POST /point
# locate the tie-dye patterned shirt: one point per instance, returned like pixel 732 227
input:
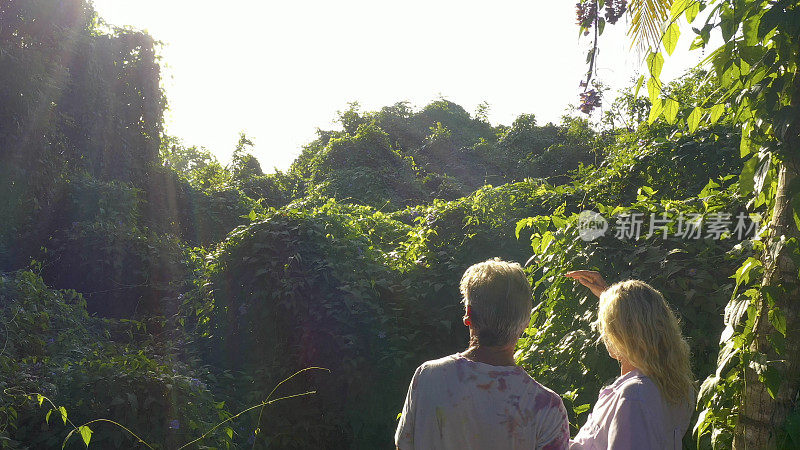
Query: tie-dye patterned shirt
pixel 456 403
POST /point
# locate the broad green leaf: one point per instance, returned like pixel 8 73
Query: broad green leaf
pixel 734 311
pixel 727 333
pixel 778 320
pixel 746 177
pixel 692 11
pixel 744 68
pixel 730 76
pixel 655 62
pixel 655 110
pixel 40 398
pixel 558 222
pixel 725 357
pixel 520 225
pixel 547 239
pixel 760 177
pixel 229 432
pixel 701 424
pixel 744 112
pixel 63 412
pixel 772 380
pixel 745 144
pixel 646 190
pixel 581 409
pixel 671 110
pixel 752 55
pixel 728 24
pixel 47 416
pixel 778 342
pixel 638 85
pixel 707 387
pixel 742 274
pixel 653 89
pixel 678 8
pixel 697 43
pixel 694 119
pixel 750 30
pixel 86 434
pixel 671 38
pixel 716 112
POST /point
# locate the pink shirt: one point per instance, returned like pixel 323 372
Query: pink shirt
pixel 632 414
pixel 457 403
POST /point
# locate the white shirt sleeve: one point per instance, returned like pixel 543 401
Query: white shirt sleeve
pixel 404 436
pixel 554 428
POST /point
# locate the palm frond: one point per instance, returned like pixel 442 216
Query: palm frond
pixel 647 18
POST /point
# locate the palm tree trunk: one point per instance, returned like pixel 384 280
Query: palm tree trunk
pixel 762 415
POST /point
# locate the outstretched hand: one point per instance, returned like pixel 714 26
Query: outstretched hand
pixel 589 278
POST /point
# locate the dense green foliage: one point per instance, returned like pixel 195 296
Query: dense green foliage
pixel 397 157
pixel 147 283
pixel 97 368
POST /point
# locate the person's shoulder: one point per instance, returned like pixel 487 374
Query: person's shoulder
pixel 438 363
pixel 639 387
pixel 543 397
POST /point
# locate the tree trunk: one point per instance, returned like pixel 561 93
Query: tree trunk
pixel 761 415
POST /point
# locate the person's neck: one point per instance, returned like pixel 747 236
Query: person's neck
pixel 495 355
pixel 625 366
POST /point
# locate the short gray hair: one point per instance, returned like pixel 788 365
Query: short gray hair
pixel 499 296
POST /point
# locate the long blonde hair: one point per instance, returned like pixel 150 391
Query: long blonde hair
pixel 635 321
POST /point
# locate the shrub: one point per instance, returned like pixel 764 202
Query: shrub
pixel 95 368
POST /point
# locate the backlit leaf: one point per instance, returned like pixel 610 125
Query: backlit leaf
pixel 694 119
pixel 678 8
pixel 655 63
pixel 746 177
pixel 716 112
pixel 653 89
pixel 671 110
pixel 86 434
pixel 655 110
pixel 639 83
pixel 745 145
pixel 692 11
pixel 671 38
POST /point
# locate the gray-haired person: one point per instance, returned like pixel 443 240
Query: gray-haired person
pixel 479 398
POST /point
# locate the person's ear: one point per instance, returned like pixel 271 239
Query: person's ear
pixel 468 317
pixel 612 352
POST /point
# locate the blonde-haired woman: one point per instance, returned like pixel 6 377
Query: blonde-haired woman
pixel 649 406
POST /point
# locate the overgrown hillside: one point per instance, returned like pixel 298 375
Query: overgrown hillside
pixel 146 283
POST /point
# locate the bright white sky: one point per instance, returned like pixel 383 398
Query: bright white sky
pixel 279 70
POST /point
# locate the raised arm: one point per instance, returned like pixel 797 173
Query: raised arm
pixel 589 278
